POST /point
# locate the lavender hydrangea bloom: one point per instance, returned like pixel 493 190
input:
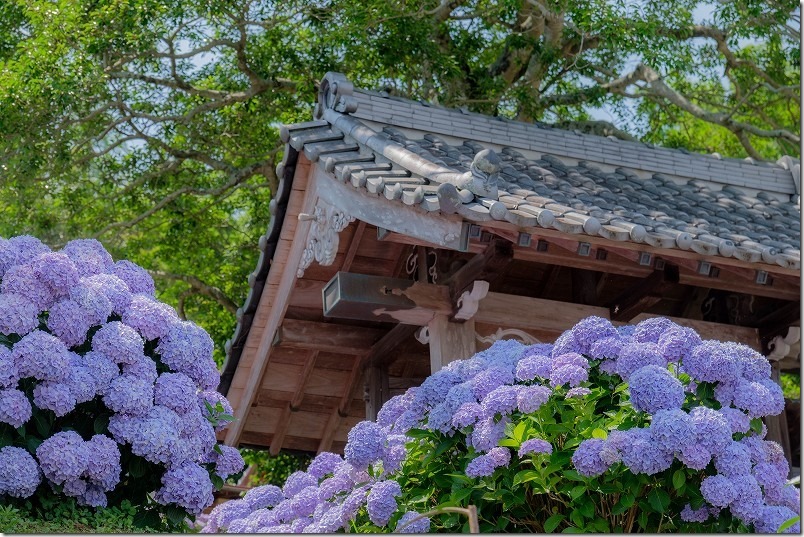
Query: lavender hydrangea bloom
pixel 535 445
pixel 771 517
pixel 102 369
pixel 93 497
pixel 754 366
pixel 592 329
pixel 92 301
pixel 565 343
pixel 63 456
pixel 787 496
pixel 154 320
pixel 183 344
pixel 204 373
pixel 733 461
pixel 467 414
pixel 228 462
pixel 485 382
pixel 717 490
pixel 154 436
pixel 69 322
pixel 531 398
pixel 634 356
pixel 672 429
pixel 175 391
pixel 89 256
pixel 642 456
pixel 15 409
pixel 395 454
pixel 75 487
pixel 759 398
pixel 333 485
pixel 406 523
pixel 56 271
pixel 42 356
pixel 712 429
pixel 394 408
pixel 767 475
pixel 19 250
pixel 481 466
pixel 19 473
pixel 576 393
pixel 55 396
pixel 586 458
pixel 533 366
pixel 651 330
pixel 737 420
pixel 724 392
pixel 711 361
pixel 9 372
pixel 568 374
pixel 263 496
pixel 435 387
pixel 296 482
pixel 364 444
pixel 21 280
pixel 103 464
pixel 488 433
pixel 119 342
pixel 688 514
pixel 502 400
pixel 747 498
pixel 130 395
pixel 136 278
pixel 381 502
pixel 213 398
pixel 18 315
pixel 324 463
pixel 677 343
pixel 608 347
pixel 188 486
pixel 694 456
pixel 654 388
pixel 113 288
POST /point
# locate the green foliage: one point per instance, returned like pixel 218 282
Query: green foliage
pixel 274 470
pixel 791 385
pixel 66 517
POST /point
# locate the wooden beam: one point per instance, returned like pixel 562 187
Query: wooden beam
pixel 488 266
pixel 549 281
pixel 584 286
pixel 376 389
pixel 353 246
pixel 777 322
pixel 326 336
pixel 644 294
pixel 777 425
pixel 281 429
pixel 450 341
pixel 350 391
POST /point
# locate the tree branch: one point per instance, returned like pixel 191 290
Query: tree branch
pixel 200 287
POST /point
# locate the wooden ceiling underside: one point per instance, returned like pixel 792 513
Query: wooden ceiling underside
pixel 312 390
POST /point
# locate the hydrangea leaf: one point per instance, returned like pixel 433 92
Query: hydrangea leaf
pixel 659 500
pixel 679 478
pixel 552 523
pixel 526 475
pixel 787 524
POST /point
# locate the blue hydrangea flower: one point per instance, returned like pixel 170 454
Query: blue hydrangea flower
pixel 737 420
pixel 353 502
pixel 92 302
pixel 69 322
pixel 41 356
pixel 406 523
pixel 565 343
pixel 634 356
pixel 688 514
pixel 694 456
pixel 502 400
pixel 154 320
pixel 323 464
pixel 263 496
pixel 712 429
pixel 333 485
pixel 175 391
pixel 129 395
pixel 381 501
pixel 481 466
pixel 19 473
pixel 590 330
pixel 435 387
pixel 467 414
pixel 102 369
pixel 608 347
pixel 724 392
pixel 759 398
pixel 643 456
pixel 55 396
pixel 103 463
pixel 364 444
pixel 767 475
pixel 393 409
pixel 63 456
pixel 136 278
pixel 19 250
pixel 531 398
pixel 155 436
pixel 651 330
pixel 754 366
pixel 717 490
pixel 532 366
pixel 677 343
pixel 712 361
pixel 305 502
pixel 118 342
pixel 771 517
pixel 672 429
pixel 586 458
pixel 654 388
pixel 9 371
pixel 733 461
pixel 296 482
pixel 228 462
pixel 788 496
pixel 93 497
pixel 113 288
pixel 183 344
pixel 56 271
pixel 488 433
pixel 568 374
pixel 204 373
pixel 21 280
pixel 89 256
pixel 395 454
pixel 186 485
pixel 577 393
pixel 18 315
pixel 15 409
pixel 747 500
pixel 535 445
pixel 485 382
pixel 144 368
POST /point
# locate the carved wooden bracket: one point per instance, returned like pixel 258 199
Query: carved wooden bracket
pixel 521 335
pixel 780 345
pixel 469 301
pixel 322 239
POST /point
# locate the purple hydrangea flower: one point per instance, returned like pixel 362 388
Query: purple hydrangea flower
pixel 651 330
pixel 565 343
pixel 135 277
pixel 502 400
pixel 15 409
pixel 481 466
pixel 568 374
pixel 712 429
pixel 501 456
pixel 535 445
pixel 19 250
pixel 186 485
pixel 467 414
pixel 63 456
pixel 485 382
pixel 154 320
pixel 586 458
pixel 18 315
pixel 353 502
pixel 9 372
pixel 56 271
pixel 395 454
pixel 102 369
pixel 21 280
pixel 19 473
pixel 488 433
pixel 381 501
pixel 204 373
pixel 608 347
pixel 754 366
pixel 324 463
pixel 724 392
pixel 641 455
pixel 228 462
pixel 175 391
pixel 364 444
pixel 406 523
pixel 103 464
pixel 759 398
pixel 677 343
pixel 771 517
pixel 298 481
pixel 89 256
pixel 590 330
pixel 738 421
pixel 113 288
pixel 305 502
pixel 787 496
pixel 435 387
pixel 712 361
pixel 733 461
pixel 41 356
pixel 688 514
pixel 672 429
pixel 747 498
pixel 154 437
pixel 634 356
pixel 92 302
pixel 69 322
pixel 654 388
pixel 55 396
pixel 393 409
pixel 576 393
pixel 717 490
pixel 694 456
pixel 531 398
pixel 264 496
pixel 118 342
pixel 213 398
pixel 333 485
pixel 532 366
pixel 130 395
pixel 183 345
pixel 767 475
pixel 144 369
pixel 81 383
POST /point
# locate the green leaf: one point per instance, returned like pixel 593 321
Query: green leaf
pixel 577 518
pixel 509 442
pixel 101 424
pixel 552 523
pixel 32 443
pixel 519 431
pixel 461 494
pixel 42 424
pixel 756 425
pixel 577 491
pixel 659 500
pixel 526 475
pixel 788 523
pixel 679 478
pixel 627 500
pixel 587 509
pixel 600 433
pixel 175 515
pixel 137 467
pixel 146 519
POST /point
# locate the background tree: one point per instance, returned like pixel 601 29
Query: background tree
pixel 152 124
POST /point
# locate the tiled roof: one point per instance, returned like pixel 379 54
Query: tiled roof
pixel 665 198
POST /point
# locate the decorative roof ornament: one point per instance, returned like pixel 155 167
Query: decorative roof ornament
pixel 335 92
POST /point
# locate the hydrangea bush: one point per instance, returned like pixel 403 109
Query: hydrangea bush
pixel 637 428
pixel 105 394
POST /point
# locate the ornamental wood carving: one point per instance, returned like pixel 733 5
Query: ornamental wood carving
pixel 322 239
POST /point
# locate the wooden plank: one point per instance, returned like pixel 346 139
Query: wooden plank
pixel 584 286
pixel 280 431
pixel 450 341
pixel 377 389
pixel 647 292
pixel 510 311
pixel 326 336
pixel 354 244
pixel 777 425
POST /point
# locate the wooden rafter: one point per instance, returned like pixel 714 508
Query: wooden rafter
pixel 644 294
pixel 293 405
pixel 320 336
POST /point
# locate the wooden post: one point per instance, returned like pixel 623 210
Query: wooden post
pixel 450 341
pixel 376 390
pixel 777 425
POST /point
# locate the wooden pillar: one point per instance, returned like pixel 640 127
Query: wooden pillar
pixel 450 341
pixel 377 390
pixel 777 425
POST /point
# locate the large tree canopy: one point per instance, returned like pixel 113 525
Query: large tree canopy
pixel 152 124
